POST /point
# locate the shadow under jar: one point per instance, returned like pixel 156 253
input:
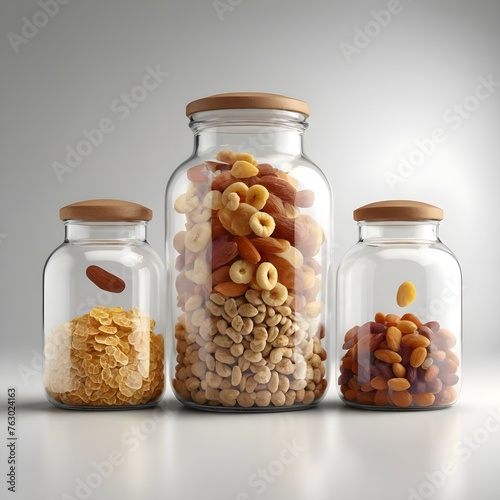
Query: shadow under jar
pixel 248 221
pixel 399 311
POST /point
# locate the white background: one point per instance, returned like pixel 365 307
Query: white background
pixel 368 110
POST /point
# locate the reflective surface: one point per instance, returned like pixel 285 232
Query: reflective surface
pixel 326 452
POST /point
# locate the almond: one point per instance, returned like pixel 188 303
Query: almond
pixel 266 169
pixel 220 275
pixel 270 245
pixel 287 274
pixel 230 289
pixel 281 188
pixel 223 251
pixel 198 174
pixel 274 205
pixel 104 280
pixel 180 262
pixel 223 180
pixel 217 227
pixel 304 198
pixel 218 165
pixel 398 384
pixel 247 250
pixel 313 264
pixel 292 230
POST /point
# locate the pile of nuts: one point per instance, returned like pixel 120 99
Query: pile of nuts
pixel 248 283
pixel 108 357
pixel 399 362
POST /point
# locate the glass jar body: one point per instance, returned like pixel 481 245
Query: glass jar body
pixel 399 354
pixel 100 346
pixel 248 300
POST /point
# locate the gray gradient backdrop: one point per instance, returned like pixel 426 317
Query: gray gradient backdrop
pixel 368 109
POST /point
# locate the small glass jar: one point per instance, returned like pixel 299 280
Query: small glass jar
pixel 399 311
pixel 103 310
pixel 248 225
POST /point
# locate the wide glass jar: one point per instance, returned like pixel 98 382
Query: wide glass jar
pixel 399 311
pixel 103 310
pixel 248 226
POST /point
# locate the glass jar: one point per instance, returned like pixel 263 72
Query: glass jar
pixel 399 311
pixel 103 301
pixel 248 223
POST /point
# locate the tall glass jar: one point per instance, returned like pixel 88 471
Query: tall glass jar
pixel 399 311
pixel 104 310
pixel 248 223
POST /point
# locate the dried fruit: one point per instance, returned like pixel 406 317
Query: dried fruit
pixel 239 188
pixel 241 271
pixel 237 222
pixel 200 273
pixel 276 296
pixel 183 205
pixel 213 200
pixel 233 201
pixel 198 236
pixel 104 280
pixel 257 196
pixel 262 224
pixel 266 276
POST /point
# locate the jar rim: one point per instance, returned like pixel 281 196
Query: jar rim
pixel 105 210
pixel 398 210
pixel 247 100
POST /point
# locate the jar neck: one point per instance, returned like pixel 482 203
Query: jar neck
pixel 84 231
pixel 398 231
pixel 261 132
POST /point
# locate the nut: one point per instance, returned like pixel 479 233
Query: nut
pixel 247 249
pixel 231 289
pixel 406 294
pixel 279 187
pixel 271 245
pixel 242 169
pixel 104 280
pixel 398 384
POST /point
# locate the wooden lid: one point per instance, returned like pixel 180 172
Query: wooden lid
pixel 105 211
pixel 246 100
pixel 398 210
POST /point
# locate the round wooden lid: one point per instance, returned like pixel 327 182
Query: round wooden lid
pixel 105 211
pixel 398 210
pixel 245 100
